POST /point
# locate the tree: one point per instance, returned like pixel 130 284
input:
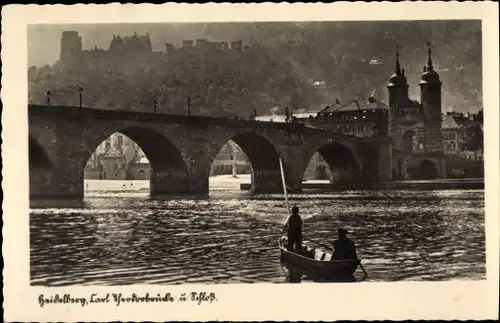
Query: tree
pixel 479 118
pixel 472 138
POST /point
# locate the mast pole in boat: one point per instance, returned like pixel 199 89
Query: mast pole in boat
pixel 284 187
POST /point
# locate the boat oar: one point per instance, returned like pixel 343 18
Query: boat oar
pixel 319 244
pixel 364 271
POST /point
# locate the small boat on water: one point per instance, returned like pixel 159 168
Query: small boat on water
pixel 317 265
pixel 312 265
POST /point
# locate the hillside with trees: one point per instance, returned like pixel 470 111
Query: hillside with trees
pixel 302 65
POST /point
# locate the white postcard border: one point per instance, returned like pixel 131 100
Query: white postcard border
pixel 370 301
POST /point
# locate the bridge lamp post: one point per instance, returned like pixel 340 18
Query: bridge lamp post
pixel 80 95
pixel 154 105
pixel 48 97
pixel 189 106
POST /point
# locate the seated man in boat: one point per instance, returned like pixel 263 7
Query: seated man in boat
pixel 344 248
pixel 293 226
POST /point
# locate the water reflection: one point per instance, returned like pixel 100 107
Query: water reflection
pixel 293 276
pixel 65 236
pixel 128 239
pixel 56 203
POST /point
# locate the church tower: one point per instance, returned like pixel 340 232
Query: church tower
pixel 398 89
pixel 430 98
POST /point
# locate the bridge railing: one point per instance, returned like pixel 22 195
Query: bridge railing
pixel 71 112
pixel 78 113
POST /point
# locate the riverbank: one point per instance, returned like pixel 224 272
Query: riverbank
pixel 244 182
pixel 217 183
pixel 439 184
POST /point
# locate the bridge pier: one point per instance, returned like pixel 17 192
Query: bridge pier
pixel 266 182
pixel 171 181
pixel 62 182
pixel 384 172
pixel 192 180
pixel 377 166
pixel 295 164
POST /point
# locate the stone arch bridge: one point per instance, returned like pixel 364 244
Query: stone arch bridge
pixel 181 148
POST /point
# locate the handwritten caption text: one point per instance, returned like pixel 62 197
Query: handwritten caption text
pixel 119 299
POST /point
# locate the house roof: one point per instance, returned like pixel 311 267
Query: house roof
pixel 352 106
pixel 277 118
pixel 464 122
pixel 113 151
pixel 281 118
pixel 125 149
pixel 448 122
pixel 326 109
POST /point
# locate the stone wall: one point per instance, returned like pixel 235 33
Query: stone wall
pixel 139 171
pixel 114 168
pixel 461 168
pixel 415 163
pixel 92 174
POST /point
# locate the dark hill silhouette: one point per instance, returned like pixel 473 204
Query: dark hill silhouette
pixel 353 59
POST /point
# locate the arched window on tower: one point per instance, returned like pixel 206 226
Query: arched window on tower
pixel 409 141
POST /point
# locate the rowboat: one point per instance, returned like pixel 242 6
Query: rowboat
pixel 309 263
pixel 317 265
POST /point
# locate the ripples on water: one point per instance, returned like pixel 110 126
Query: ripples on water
pixel 126 238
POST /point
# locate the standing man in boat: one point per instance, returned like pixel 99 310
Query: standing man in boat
pixel 293 225
pixel 344 248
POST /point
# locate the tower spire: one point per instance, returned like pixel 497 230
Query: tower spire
pixel 429 59
pixel 398 67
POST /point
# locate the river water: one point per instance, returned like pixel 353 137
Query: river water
pixel 123 237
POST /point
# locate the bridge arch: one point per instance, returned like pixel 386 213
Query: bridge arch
pixel 263 158
pixel 40 166
pixel 168 169
pixel 428 169
pixel 38 157
pixel 342 160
